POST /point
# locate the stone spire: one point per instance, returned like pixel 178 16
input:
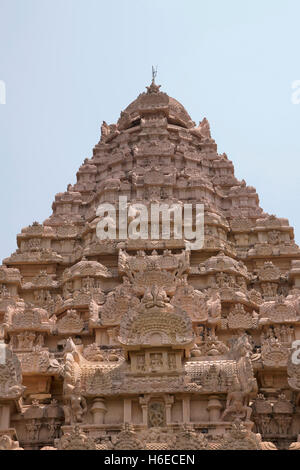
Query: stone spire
pixel 138 343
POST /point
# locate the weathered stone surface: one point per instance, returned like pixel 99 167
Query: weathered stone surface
pixel 142 344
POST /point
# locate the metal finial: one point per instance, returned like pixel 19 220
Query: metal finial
pixel 154 73
pixel 153 88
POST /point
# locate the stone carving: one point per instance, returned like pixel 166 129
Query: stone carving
pixel 218 376
pixel 116 305
pixel 156 414
pixel 295 446
pixel 283 333
pixel 269 272
pixel 26 340
pixel 282 405
pixel 160 438
pixel 39 361
pixel 99 382
pixel 156 321
pixel 76 439
pixel 133 340
pixel 237 403
pixel 192 302
pixel 6 443
pixel 10 374
pixel 261 405
pixel 273 353
pixel 240 319
pixel 92 353
pixel 210 346
pixel 71 323
pixel 293 369
pixel 278 311
pixel 36 319
pixel 54 414
pixel 74 404
pixel 128 440
pixel 214 311
pixel 188 439
pixel 144 272
pixel 239 438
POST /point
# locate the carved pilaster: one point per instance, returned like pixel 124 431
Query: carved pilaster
pixel 99 410
pixel 127 410
pixel 214 408
pixel 186 409
pixel 169 400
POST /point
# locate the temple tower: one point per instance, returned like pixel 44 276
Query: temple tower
pixel 145 343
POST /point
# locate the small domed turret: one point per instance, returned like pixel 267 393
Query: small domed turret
pixel 151 102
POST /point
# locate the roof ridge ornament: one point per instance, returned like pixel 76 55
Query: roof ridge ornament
pixel 154 73
pixel 153 88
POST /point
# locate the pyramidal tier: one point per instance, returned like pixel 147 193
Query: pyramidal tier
pixel 141 343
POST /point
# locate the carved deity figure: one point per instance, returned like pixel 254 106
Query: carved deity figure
pixel 156 414
pixel 141 363
pixel 214 311
pixel 75 408
pixel 156 362
pixel 155 297
pixel 237 403
pixel 33 430
pixel 241 346
pixel 284 424
pixel 3 290
pixel 54 429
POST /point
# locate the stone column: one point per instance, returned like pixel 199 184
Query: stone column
pixel 178 361
pixel 169 400
pixel 4 416
pixel 127 410
pixel 147 360
pixel 165 361
pixel 111 336
pixel 99 410
pixel 144 404
pixel 186 409
pixel 98 337
pixel 214 408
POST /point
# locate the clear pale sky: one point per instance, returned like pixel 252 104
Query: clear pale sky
pixel 70 64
